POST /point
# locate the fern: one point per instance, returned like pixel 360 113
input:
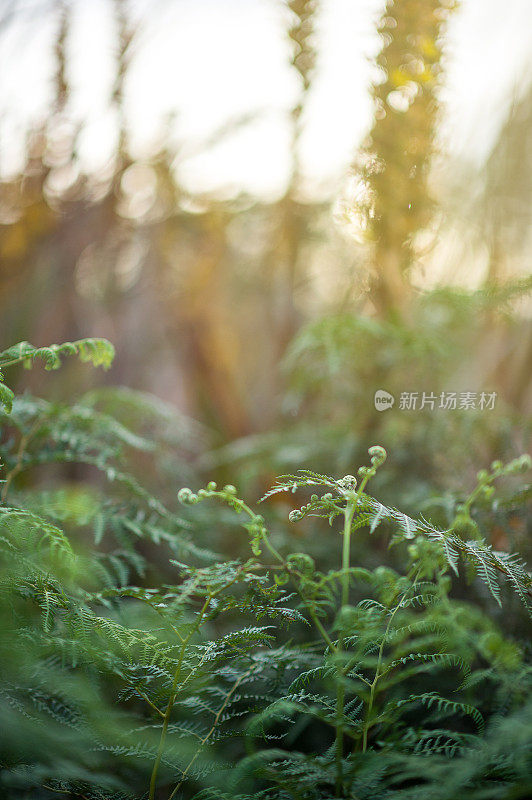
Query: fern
pixel 140 653
pixel 98 352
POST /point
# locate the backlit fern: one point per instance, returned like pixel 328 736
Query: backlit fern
pixel 138 662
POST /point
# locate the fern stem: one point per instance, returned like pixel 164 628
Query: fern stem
pixel 24 441
pixel 340 691
pixel 264 536
pixel 349 512
pixel 239 505
pixel 12 362
pixel 173 692
pixel 367 724
pixel 346 550
pixel 212 729
pixel 149 702
pixel 340 699
pixel 275 553
pixel 166 721
pixel 378 674
pixel 171 700
pixel 317 622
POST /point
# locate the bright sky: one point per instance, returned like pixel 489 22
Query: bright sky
pixel 211 61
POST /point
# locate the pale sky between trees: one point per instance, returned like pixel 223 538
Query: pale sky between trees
pixel 198 64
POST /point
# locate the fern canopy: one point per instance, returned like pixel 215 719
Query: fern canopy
pixel 144 656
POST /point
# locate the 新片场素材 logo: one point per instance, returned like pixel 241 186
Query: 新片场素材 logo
pixel 383 400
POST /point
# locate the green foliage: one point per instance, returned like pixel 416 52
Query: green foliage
pixel 98 352
pixel 138 662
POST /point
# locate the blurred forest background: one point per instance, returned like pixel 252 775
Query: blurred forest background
pixel 272 316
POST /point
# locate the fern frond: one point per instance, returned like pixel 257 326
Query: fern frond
pixel 98 352
pixel 303 478
pixel 29 530
pixel 444 706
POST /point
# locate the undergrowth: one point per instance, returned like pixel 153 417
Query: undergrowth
pixel 141 660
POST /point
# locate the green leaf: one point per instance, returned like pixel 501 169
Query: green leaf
pixel 6 397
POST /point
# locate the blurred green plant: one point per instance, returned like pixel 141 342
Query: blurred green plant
pixel 392 166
